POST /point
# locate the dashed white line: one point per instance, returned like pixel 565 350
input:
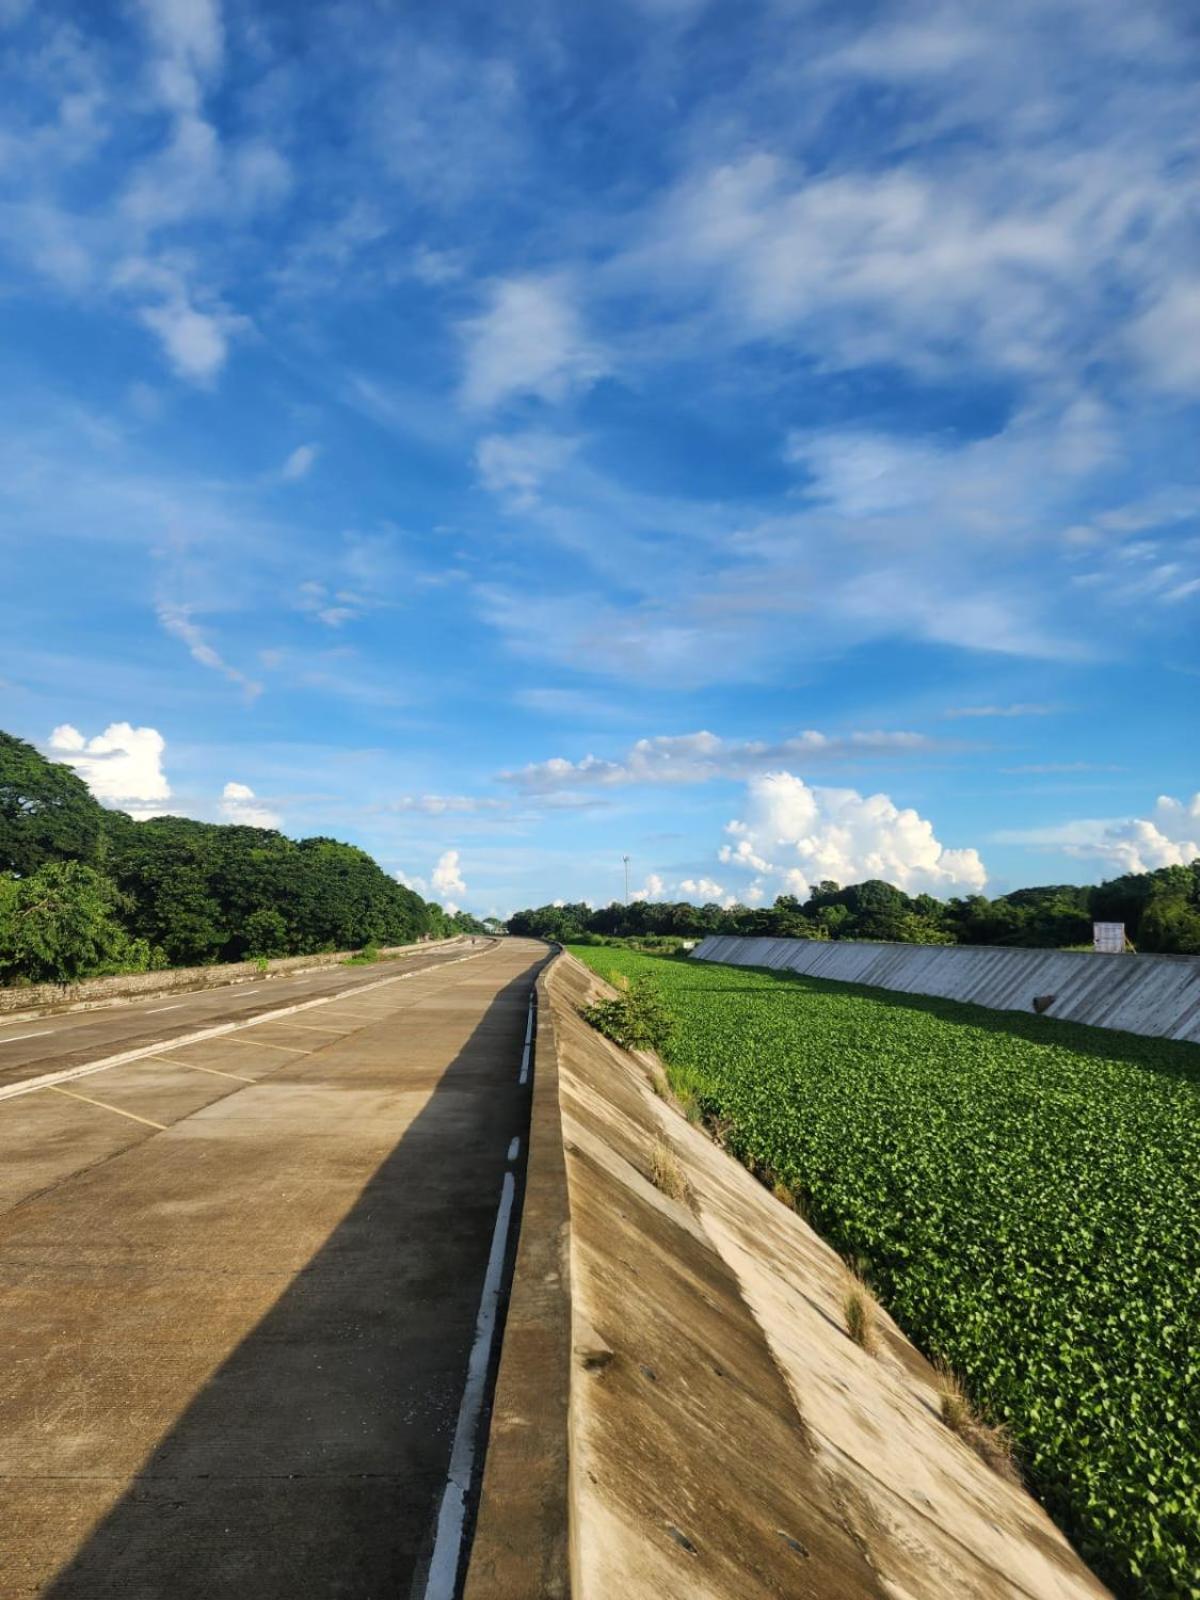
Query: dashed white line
pixel 13 1037
pixel 154 1010
pixel 441 1582
pixel 513 1148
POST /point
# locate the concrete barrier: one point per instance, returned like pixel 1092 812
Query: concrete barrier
pixel 92 992
pixel 1158 996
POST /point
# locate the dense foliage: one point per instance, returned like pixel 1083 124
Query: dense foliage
pixel 1160 910
pixel 84 890
pixel 1027 1196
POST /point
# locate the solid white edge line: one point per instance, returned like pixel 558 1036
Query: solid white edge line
pixel 442 1578
pixel 523 1076
pixel 68 1074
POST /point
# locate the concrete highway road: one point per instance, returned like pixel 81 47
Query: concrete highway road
pixel 240 1278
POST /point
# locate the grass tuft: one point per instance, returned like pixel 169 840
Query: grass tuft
pixel 858 1308
pixel 992 1442
pixel 666 1174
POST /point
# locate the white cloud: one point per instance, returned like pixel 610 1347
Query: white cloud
pixel 702 757
pixel 300 463
pixel 797 835
pixel 1169 837
pixel 1167 338
pixel 240 804
pixel 446 877
pixel 122 766
pixel 176 620
pixel 652 889
pixel 515 466
pixel 189 43
pixel 440 805
pixel 530 341
pixel 196 342
pixel 1020 709
pixel 702 889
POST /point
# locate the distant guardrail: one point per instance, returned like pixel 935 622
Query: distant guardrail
pixel 1158 996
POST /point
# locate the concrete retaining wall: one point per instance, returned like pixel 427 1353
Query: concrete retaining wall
pixel 139 985
pixel 1154 995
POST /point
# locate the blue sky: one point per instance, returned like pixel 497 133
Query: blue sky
pixel 759 439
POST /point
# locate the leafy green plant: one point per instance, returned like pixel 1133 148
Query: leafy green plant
pixel 1027 1193
pixel 636 1018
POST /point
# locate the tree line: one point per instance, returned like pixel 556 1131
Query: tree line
pixel 85 890
pixel 1160 910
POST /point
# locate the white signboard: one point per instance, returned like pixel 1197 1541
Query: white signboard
pixel 1108 937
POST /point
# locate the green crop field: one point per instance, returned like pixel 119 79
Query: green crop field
pixel 1027 1196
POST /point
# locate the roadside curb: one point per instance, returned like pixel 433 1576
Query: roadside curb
pixel 182 980
pixel 521 1545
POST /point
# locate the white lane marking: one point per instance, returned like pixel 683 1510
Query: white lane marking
pixel 154 1010
pixel 47 1080
pixel 13 1037
pixel 523 1076
pixel 513 1148
pixel 442 1580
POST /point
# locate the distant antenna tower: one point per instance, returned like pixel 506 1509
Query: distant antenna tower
pixel 625 859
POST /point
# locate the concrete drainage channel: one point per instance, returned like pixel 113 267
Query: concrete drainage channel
pixel 445 1576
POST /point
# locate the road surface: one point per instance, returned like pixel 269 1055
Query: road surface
pixel 240 1277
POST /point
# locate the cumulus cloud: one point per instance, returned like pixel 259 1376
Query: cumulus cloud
pixel 240 804
pixel 702 757
pixel 447 877
pixel 653 888
pixel 796 835
pixel 529 341
pixel 121 766
pixel 445 881
pixel 1168 837
pixel 701 889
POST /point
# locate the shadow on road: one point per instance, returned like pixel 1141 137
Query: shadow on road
pixel 312 1462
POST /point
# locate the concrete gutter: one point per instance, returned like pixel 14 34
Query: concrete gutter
pixel 520 1547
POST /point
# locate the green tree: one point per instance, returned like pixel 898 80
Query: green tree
pixel 47 812
pixel 61 923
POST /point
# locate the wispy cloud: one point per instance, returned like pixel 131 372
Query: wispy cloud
pixel 177 621
pixel 1018 709
pixel 704 757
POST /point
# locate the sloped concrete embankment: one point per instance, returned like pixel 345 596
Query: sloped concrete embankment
pixel 93 992
pixel 679 1412
pixel 1158 996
